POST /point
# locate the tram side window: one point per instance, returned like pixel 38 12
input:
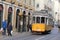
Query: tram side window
pixel 33 19
pixel 37 19
pixel 42 20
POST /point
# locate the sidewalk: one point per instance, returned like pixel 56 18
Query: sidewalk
pixel 14 35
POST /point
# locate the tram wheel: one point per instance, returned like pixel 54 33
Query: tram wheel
pixel 47 32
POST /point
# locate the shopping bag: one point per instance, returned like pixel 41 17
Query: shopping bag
pixel 1 30
pixel 11 32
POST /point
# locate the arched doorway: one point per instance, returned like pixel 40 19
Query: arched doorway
pixel 28 21
pixel 10 10
pixel 1 14
pixel 18 20
pixel 24 22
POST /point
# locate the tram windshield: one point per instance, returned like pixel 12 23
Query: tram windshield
pixel 42 19
pixel 37 19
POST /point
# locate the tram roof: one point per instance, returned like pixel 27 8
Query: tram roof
pixel 42 14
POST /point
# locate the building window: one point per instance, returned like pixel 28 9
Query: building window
pixel 59 1
pixel 34 2
pixel 29 2
pixel 3 0
pixel 18 1
pixel 37 5
pixel 24 1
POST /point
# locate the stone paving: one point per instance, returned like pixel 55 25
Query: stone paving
pixel 54 35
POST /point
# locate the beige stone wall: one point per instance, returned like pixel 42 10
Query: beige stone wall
pixel 8 4
pixel 14 19
pixel 6 12
pixel 8 0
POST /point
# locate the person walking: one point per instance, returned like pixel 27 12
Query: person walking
pixel 4 26
pixel 29 27
pixel 9 29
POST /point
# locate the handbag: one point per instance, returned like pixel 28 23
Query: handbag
pixel 1 30
pixel 11 32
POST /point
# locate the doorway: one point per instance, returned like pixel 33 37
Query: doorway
pixel 10 15
pixel 1 14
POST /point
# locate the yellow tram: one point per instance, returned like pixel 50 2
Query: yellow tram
pixel 42 22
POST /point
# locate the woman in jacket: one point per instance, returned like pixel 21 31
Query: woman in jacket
pixel 9 29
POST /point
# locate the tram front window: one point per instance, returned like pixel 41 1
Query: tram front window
pixel 38 20
pixel 42 20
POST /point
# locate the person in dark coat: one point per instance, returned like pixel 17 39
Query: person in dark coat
pixel 29 27
pixel 9 29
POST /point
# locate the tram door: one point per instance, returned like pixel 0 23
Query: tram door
pixel 1 15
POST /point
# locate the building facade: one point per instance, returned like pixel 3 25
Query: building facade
pixel 39 5
pixel 17 12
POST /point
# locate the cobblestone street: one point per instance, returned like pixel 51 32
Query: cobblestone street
pixel 54 35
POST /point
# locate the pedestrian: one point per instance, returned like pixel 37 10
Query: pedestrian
pixel 29 27
pixel 4 26
pixel 9 29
